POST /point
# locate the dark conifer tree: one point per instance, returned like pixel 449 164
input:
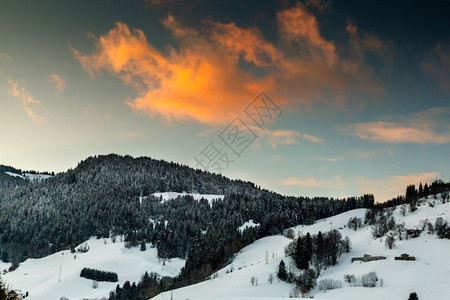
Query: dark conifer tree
pixel 426 190
pixel 282 274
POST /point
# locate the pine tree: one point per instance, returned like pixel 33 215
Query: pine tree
pixel 282 274
pixel 143 246
pixel 426 190
pixel 299 254
pixel 304 252
pixel 308 250
pixel 413 296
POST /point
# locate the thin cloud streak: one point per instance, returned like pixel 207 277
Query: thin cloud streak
pixel 427 127
pixel 336 183
pixel 329 159
pixel 18 90
pixel 279 137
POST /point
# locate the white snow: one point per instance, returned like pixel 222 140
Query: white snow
pixel 40 277
pixel 31 177
pixel 428 276
pixel 166 196
pixel 36 177
pixel 15 175
pixel 248 224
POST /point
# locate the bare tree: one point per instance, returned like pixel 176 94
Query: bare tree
pixel 390 241
pixel 403 210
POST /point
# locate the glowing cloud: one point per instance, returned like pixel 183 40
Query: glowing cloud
pixel 17 90
pixel 203 78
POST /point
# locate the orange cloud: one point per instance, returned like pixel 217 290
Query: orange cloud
pixel 17 90
pixel 391 186
pixel 421 128
pixel 58 81
pixel 203 78
pixel 246 43
pixel 437 65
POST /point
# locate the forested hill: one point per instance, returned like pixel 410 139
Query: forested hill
pixel 101 197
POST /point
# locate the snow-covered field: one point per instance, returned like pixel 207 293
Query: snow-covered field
pixel 40 277
pixel 428 276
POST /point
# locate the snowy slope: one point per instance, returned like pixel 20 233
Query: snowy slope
pixel 40 277
pixel 14 175
pixel 173 195
pixel 36 177
pixel 428 276
pixel 31 177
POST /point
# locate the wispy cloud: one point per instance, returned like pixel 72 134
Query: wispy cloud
pixel 58 81
pixel 279 137
pixel 427 127
pixel 365 154
pixel 320 5
pixel 437 65
pixel 128 134
pixel 335 183
pixel 202 77
pixel 388 187
pixel 329 159
pixel 18 90
pixel 5 56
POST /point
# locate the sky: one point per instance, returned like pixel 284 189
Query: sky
pixel 305 98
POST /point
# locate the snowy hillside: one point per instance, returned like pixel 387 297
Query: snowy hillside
pixel 428 275
pixel 40 277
